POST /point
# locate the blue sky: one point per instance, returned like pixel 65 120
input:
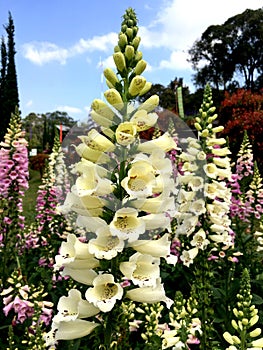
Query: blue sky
pixel 63 45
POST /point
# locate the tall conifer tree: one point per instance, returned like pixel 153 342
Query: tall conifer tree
pixel 9 99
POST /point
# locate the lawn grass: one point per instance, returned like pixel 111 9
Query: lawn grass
pixel 29 201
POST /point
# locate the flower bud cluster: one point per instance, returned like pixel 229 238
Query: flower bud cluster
pixel 25 300
pixel 246 317
pixel 184 326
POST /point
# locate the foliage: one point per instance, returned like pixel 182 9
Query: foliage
pixel 240 111
pixel 231 48
pixel 41 128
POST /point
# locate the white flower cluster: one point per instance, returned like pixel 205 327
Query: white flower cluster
pixel 123 197
pixel 203 202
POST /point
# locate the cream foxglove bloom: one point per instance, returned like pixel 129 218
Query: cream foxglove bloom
pixel 188 225
pixel 126 224
pixel 104 293
pixel 83 274
pixel 198 207
pixel 97 141
pixel 140 180
pixel 86 205
pixel 105 246
pixel 91 154
pixel 188 256
pixel 165 143
pixel 143 270
pixel 159 204
pixel 73 306
pixel 211 170
pixel 75 254
pixel 150 295
pixel 199 240
pixel 90 183
pixel 144 120
pixel 221 151
pixel 126 133
pixel 69 330
pixel 170 338
pixel 159 248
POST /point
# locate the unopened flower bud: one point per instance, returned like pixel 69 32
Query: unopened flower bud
pixel 123 41
pixel 117 48
pixel 110 76
pixel 135 43
pixel 129 33
pixel 140 67
pixel 255 333
pixel 146 88
pixel 102 108
pixel 136 85
pixel 228 337
pixel 212 118
pixel 119 60
pixel 236 340
pixel 205 133
pixel 211 110
pixel 197 126
pixel 218 129
pixel 109 84
pixel 129 52
pixel 253 320
pixel 150 104
pixel 138 56
pixel 135 30
pixel 245 321
pixel 234 324
pixel 114 98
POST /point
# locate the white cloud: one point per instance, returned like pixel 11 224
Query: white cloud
pixel 43 52
pixel 180 22
pixel 177 60
pixel 69 109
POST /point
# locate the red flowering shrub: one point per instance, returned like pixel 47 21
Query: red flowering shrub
pixel 243 110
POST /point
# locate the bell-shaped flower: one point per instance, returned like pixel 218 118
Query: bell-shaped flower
pixel 85 205
pixel 126 133
pixel 159 248
pixel 104 293
pixel 140 180
pixel 165 143
pixel 82 274
pixel 149 295
pixel 199 239
pixel 188 256
pixel 90 183
pixel 144 120
pixel 75 254
pixel 69 330
pixel 91 224
pixel 105 245
pixel 73 306
pixel 159 204
pixel 143 270
pixel 126 224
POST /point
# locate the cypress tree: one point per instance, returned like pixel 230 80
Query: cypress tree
pixel 3 119
pixel 9 89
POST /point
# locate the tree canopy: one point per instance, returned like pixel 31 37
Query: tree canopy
pixel 229 50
